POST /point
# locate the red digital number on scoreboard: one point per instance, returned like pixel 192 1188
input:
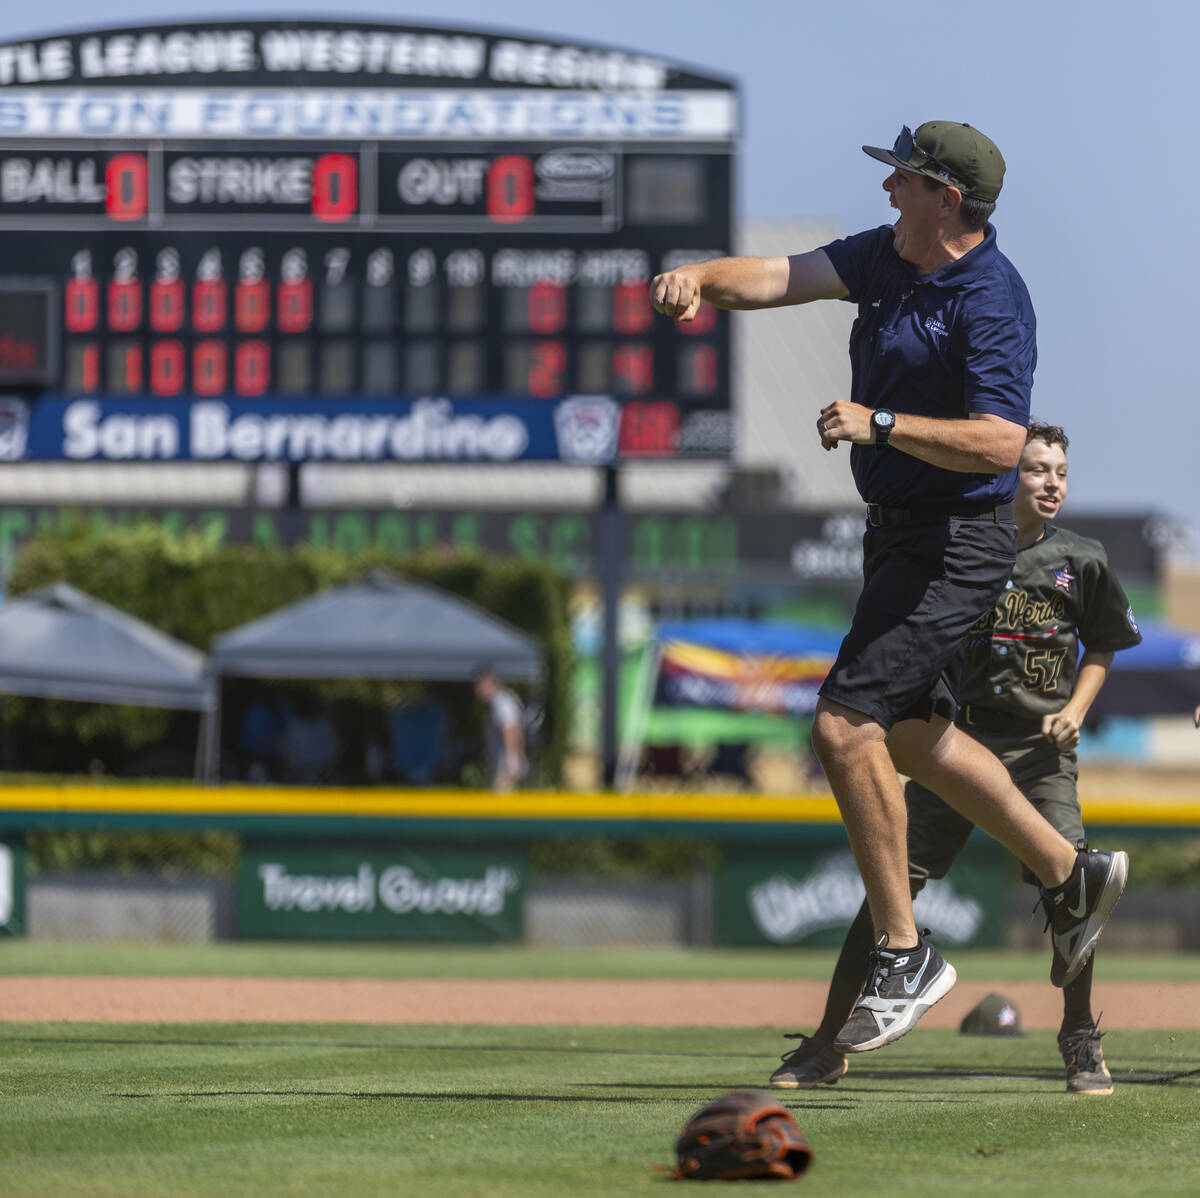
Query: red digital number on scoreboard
pixel 208 305
pixel 126 190
pixel 166 367
pixel 547 307
pixel 124 304
pixel 252 368
pixel 295 304
pixel 547 369
pixel 252 305
pixel 633 366
pixel 209 372
pixel 90 372
pixel 125 369
pixel 334 187
pixel 510 189
pixel 166 305
pixel 632 313
pixel 698 370
pixel 82 304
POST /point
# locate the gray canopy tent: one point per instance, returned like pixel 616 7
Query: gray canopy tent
pixel 377 627
pixel 58 643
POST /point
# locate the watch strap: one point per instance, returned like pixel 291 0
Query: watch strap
pixel 882 430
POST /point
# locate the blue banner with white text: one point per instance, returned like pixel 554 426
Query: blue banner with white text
pixel 580 429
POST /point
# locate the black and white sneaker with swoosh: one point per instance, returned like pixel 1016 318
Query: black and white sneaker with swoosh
pixel 900 988
pixel 1077 911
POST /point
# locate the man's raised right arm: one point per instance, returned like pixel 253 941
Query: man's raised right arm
pixel 746 283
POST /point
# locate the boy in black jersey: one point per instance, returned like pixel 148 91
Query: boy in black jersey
pixel 1024 696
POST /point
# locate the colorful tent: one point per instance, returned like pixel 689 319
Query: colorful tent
pixel 740 665
pixel 730 665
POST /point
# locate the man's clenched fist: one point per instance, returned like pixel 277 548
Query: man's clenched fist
pixel 676 293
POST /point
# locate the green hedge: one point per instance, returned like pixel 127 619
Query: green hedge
pixel 194 588
pixel 168 855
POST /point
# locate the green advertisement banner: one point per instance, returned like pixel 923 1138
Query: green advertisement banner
pixel 812 897
pixel 296 890
pixel 12 887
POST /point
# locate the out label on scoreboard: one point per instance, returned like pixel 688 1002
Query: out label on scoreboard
pixel 573 188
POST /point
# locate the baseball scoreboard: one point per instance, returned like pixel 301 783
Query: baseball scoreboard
pixel 257 241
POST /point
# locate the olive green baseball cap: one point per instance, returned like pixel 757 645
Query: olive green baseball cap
pixel 948 152
pixel 994 1015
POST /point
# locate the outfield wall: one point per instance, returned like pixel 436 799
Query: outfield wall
pixel 469 814
pixel 339 864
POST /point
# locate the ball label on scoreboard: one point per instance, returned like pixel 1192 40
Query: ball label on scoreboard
pixel 76 181
pixel 323 217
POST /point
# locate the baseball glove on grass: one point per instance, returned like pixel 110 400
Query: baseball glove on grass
pixel 745 1134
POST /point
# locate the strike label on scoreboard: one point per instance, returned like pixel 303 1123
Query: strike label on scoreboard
pixel 339 214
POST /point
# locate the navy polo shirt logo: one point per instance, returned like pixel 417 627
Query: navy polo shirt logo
pixel 935 326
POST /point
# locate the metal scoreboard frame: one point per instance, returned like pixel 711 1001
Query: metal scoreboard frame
pixel 300 241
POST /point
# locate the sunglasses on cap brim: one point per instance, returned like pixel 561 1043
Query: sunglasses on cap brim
pixel 906 149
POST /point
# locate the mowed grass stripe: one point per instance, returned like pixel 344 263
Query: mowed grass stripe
pixel 513 1112
pixel 327 960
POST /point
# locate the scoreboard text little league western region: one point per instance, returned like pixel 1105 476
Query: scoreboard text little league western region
pixel 356 242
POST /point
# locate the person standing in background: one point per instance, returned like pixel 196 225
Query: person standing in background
pixel 504 731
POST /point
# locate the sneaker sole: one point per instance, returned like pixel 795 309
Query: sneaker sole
pixel 1097 1090
pixel 830 1079
pixel 934 993
pixel 1110 893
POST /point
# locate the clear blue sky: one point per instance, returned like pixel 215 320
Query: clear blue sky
pixel 1093 104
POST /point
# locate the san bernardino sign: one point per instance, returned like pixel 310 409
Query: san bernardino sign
pixel 292 890
pixel 580 429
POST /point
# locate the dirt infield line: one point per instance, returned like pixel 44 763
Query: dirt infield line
pixel 1165 1005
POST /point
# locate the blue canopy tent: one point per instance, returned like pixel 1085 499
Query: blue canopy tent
pixel 379 626
pixel 59 643
pixel 1161 676
pixel 731 665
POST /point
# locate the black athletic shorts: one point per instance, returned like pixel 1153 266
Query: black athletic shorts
pixel 924 586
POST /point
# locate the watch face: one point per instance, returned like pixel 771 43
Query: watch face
pixel 885 419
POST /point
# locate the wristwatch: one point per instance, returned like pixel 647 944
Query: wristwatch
pixel 883 420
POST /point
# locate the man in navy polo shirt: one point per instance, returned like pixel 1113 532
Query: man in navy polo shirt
pixel 942 356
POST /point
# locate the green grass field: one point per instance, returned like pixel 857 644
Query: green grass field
pixel 181 1110
pixel 250 959
pixel 132 1110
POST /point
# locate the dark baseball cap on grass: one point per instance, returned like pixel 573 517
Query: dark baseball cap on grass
pixel 994 1015
pixel 951 153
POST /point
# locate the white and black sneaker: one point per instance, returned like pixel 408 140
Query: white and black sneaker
pixel 1077 911
pixel 900 988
